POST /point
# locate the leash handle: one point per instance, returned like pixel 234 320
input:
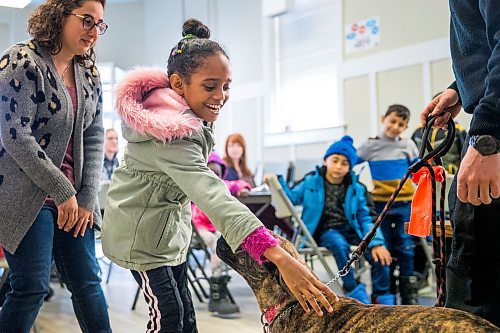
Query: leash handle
pixel 442 148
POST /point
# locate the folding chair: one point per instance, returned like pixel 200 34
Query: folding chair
pixel 303 240
pixel 196 265
pixel 197 244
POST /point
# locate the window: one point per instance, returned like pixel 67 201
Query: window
pixel 110 74
pixel 305 74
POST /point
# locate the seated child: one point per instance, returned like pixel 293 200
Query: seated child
pixel 336 212
pixel 219 301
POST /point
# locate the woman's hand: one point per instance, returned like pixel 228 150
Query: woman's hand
pixel 85 217
pixel 67 214
pixel 302 283
pixel 380 253
pixel 266 177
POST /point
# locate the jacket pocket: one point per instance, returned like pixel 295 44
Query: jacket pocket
pixel 167 237
pixel 163 226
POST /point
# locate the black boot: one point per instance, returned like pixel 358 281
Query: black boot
pixel 219 299
pixel 408 287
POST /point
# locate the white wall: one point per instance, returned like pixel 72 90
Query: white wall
pixel 124 42
pixel 17 22
pixel 142 33
pixel 402 23
pixel 4 36
pixel 411 63
pixel 162 29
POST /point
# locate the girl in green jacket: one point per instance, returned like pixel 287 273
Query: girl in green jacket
pixel 168 123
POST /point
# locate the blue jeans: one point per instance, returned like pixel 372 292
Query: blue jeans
pixel 338 241
pixel 169 300
pixel 399 244
pixel 473 270
pixel 30 269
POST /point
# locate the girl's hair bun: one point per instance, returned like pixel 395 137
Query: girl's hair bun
pixel 196 28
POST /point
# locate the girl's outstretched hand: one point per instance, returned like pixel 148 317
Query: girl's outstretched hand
pixel 306 288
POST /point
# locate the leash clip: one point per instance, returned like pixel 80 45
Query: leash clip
pixel 265 325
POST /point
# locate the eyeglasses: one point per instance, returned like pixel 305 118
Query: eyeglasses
pixel 89 23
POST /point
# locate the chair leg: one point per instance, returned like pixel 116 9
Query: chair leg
pixel 109 272
pixel 195 289
pixel 196 284
pixel 428 255
pixel 136 297
pixel 196 278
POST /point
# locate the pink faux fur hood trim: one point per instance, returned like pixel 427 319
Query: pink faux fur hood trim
pixel 147 105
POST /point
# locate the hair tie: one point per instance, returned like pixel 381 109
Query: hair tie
pixel 176 52
pixel 179 51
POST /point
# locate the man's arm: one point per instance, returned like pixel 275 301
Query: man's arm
pixel 486 118
pixel 479 176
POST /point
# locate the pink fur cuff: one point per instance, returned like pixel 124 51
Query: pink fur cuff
pixel 258 242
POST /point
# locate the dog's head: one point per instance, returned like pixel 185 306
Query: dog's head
pixel 265 280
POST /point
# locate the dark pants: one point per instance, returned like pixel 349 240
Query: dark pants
pixel 399 244
pixel 473 271
pixel 339 241
pixel 169 299
pixel 30 269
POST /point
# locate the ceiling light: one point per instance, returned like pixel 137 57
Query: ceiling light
pixel 14 3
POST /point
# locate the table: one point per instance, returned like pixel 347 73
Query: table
pixel 262 200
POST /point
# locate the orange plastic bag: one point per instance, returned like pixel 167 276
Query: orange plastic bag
pixel 421 205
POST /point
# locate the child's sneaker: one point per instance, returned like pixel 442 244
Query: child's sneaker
pixel 360 294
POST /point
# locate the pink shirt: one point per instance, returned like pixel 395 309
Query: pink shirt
pixel 67 166
pixel 200 220
pixel 256 243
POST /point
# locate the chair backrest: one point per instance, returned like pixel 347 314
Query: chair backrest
pixel 302 239
pixel 285 208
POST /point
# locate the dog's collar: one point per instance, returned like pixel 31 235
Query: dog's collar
pixel 271 313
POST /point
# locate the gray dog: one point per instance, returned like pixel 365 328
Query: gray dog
pixel 286 315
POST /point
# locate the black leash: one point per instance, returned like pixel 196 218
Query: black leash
pixel 439 245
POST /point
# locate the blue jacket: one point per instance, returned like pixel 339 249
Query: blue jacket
pixel 310 193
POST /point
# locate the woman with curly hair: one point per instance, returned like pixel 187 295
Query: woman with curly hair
pixel 51 151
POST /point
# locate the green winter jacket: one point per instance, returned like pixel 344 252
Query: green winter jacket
pixel 147 221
